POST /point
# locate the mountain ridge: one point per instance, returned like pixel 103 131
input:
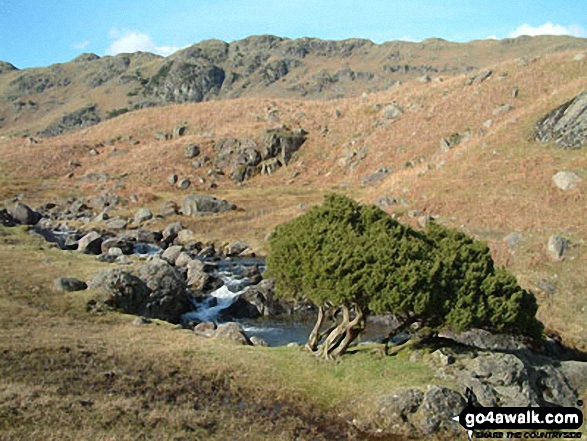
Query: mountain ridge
pixel 35 101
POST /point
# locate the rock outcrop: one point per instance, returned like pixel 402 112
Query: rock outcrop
pixel 566 125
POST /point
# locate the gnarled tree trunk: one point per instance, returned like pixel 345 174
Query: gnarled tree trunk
pixel 336 340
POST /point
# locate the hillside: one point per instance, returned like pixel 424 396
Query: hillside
pixel 468 135
pixel 59 98
pixel 489 177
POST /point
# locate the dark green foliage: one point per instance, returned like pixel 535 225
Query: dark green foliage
pixel 342 253
pixel 116 112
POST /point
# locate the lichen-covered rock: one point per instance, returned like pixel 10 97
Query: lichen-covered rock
pixel 566 125
pixel 196 204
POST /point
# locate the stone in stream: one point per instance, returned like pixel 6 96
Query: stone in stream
pixel 123 243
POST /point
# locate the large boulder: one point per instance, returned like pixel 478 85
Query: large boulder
pixel 197 205
pixel 282 144
pixel 124 290
pixel 566 125
pixel 24 215
pixel 168 299
pixel 257 301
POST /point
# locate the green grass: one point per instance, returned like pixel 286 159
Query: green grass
pixel 71 374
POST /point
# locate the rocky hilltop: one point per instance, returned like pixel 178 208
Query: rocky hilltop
pixel 89 89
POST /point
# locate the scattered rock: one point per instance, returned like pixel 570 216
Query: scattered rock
pixel 191 151
pixel 453 140
pixel 479 77
pixel 183 260
pixel 195 205
pixel 424 220
pixel 513 239
pixel 24 215
pixel 393 111
pixel 373 178
pixel 232 331
pixel 91 243
pixel 503 109
pixel 139 321
pixel 557 246
pixel 124 244
pixel 566 180
pixel 184 184
pixel 256 341
pixel 162 136
pixel 172 179
pixel 142 215
pixel 116 223
pixel 172 253
pixel 6 218
pixel 168 299
pixel 170 208
pixel 179 131
pixel 69 284
pixel 235 248
pixel 206 329
pixel 170 232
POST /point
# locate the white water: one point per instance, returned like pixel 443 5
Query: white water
pixel 222 298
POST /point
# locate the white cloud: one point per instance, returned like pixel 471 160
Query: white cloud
pixel 81 46
pixel 133 41
pixel 549 29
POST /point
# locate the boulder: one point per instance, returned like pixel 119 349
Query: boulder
pixel 124 290
pixel 170 232
pixel 206 329
pixel 116 223
pixel 393 111
pixel 172 179
pixel 281 144
pixel 169 208
pixel 183 259
pixel 235 248
pixel 557 246
pixel 191 151
pixel 168 299
pixel 142 215
pixel 69 284
pixel 172 253
pixel 397 408
pixel 566 125
pixel 196 205
pixel 233 332
pixel 91 243
pixel 198 277
pixel 179 131
pixel 6 218
pixel 566 180
pixel 125 244
pixel 184 184
pixel 24 215
pixel 479 77
pixel 438 407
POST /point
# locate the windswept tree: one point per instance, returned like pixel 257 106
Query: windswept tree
pixel 352 260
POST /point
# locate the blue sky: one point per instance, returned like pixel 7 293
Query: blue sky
pixel 43 32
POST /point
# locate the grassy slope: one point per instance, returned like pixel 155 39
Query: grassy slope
pixel 69 374
pixel 496 183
